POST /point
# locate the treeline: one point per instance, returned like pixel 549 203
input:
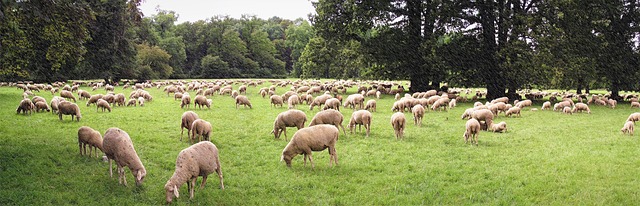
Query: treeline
pixel 503 45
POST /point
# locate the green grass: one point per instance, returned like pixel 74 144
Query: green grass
pixel 545 158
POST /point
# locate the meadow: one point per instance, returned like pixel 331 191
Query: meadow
pixel 545 158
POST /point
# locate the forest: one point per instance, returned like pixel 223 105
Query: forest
pixel 500 45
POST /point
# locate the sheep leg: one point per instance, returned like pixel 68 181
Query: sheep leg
pixel 80 147
pixel 311 160
pixel 192 188
pixel 368 127
pixel 343 130
pixel 305 159
pixel 110 168
pixel 219 171
pixel 204 181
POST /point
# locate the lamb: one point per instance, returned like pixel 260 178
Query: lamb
pixel 186 100
pixel 188 118
pixel 141 101
pixel 313 138
pixel 329 116
pixel 41 106
pixel 546 105
pixel 200 127
pixel 634 117
pixel 243 100
pixel 500 127
pixel 628 127
pixel 117 146
pixel 201 100
pixel 25 106
pixel 131 102
pixel 360 117
pixel 67 95
pixel 418 113
pixel 200 159
pixel 566 110
pixel 91 138
pixel 512 111
pixel 94 99
pixel 472 131
pixel 332 103
pixel 398 123
pixel 69 108
pixel 290 118
pixel 276 100
pixel 483 115
pixel 371 105
pixel 579 107
pixel 103 104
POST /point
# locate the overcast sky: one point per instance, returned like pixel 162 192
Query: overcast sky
pixel 193 10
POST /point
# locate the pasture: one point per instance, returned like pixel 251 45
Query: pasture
pixel 545 158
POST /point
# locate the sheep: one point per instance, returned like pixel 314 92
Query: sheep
pixel 320 100
pixel 177 95
pixel 467 113
pixel 354 100
pixel 371 105
pixel 398 123
pixel 186 100
pixel 501 99
pixel 628 127
pixel 360 117
pixel 612 103
pixel 293 101
pixel 131 102
pixel 579 107
pixel 635 104
pixel 546 105
pixel 103 104
pixel 41 106
pixel 634 117
pixel 500 127
pixel 398 106
pixel 69 108
pixel 36 99
pixel 67 95
pixel 512 111
pixel 290 118
pixel 329 116
pixel 332 103
pixel 201 100
pixel 276 100
pixel 524 103
pixel 483 115
pixel 109 98
pixel 243 100
pixel 561 105
pixel 566 110
pixel 234 94
pixel 200 159
pixel 94 99
pixel 453 103
pixel 25 106
pixel 91 138
pixel 442 102
pixel 188 118
pixel 418 113
pixel 313 138
pixel 117 146
pixel 54 104
pixel 119 99
pixel 472 131
pixel 200 127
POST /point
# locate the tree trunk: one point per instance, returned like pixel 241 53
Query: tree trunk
pixel 417 73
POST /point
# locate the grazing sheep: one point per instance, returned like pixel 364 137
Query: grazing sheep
pixel 329 116
pixel 54 104
pixel 398 123
pixel 467 113
pixel 398 106
pixel 117 146
pixel 524 103
pixel 201 100
pixel 313 138
pixel 290 118
pixel 360 117
pixel 500 127
pixel 276 100
pixel 293 101
pixel 371 105
pixel 472 131
pixel 332 103
pixel 67 95
pixel 354 100
pixel 119 99
pixel 91 138
pixel 453 103
pixel 512 111
pixel 561 105
pixel 234 94
pixel 25 106
pixel 319 100
pixel 483 115
pixel 42 106
pixel 546 105
pixel 186 100
pixel 628 127
pixel 243 100
pixel 131 102
pixel 635 104
pixel 141 101
pixel 177 95
pixel 200 159
pixel 109 98
pixel 94 99
pixel 69 108
pixel 418 113
pixel 37 99
pixel 634 117
pixel 501 99
pixel 188 118
pixel 579 107
pixel 612 103
pixel 566 110
pixel 200 128
pixel 103 104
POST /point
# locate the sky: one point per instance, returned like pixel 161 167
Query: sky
pixel 193 10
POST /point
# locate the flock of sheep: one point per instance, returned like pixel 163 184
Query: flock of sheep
pixel 322 132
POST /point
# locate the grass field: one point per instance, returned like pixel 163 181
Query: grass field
pixel 545 158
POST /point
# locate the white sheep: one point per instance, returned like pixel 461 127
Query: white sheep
pixel 360 117
pixel 103 104
pixel 472 131
pixel 329 116
pixel 500 127
pixel 188 118
pixel 290 118
pixel 332 103
pixel 117 146
pixel 141 101
pixel 94 99
pixel 200 128
pixel 313 138
pixel 579 107
pixel 566 110
pixel 512 111
pixel 69 108
pixel 635 104
pixel 276 100
pixel 398 122
pixel 201 100
pixel 371 105
pixel 418 114
pixel 88 137
pixel 131 102
pixel 186 100
pixel 628 128
pixel 546 105
pixel 293 101
pixel 319 100
pixel 200 159
pixel 243 100
pixel 634 117
pixel 483 115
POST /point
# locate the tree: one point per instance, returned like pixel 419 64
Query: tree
pixel 215 67
pixel 298 36
pixel 152 63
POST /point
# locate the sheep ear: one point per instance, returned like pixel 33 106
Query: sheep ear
pixel 175 191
